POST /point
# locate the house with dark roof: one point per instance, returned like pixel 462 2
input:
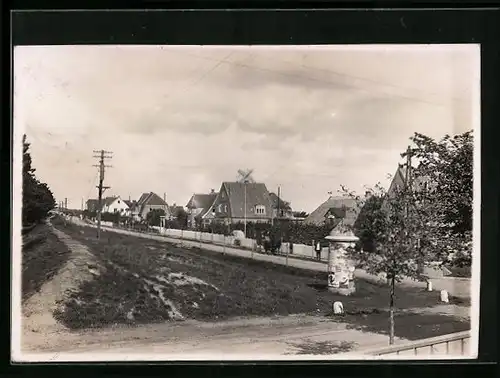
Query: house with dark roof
pixel 333 211
pixel 92 205
pixel 198 206
pixel 237 201
pixel 399 181
pixel 148 202
pixel 281 208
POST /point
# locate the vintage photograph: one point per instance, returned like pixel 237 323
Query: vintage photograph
pixel 245 202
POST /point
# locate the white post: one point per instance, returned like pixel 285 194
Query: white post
pixel 287 251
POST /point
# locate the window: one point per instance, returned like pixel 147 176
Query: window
pixel 260 209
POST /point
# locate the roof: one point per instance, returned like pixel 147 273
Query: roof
pixel 108 201
pixel 201 201
pixel 151 199
pixel 275 199
pixel 129 203
pixel 256 194
pixel 398 181
pixel 336 206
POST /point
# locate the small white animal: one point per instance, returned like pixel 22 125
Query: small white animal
pixel 338 308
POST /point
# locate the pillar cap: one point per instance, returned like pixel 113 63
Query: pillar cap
pixel 341 233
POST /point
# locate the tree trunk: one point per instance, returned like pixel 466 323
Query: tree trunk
pixel 391 312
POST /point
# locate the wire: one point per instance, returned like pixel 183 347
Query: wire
pixel 93 184
pixel 305 77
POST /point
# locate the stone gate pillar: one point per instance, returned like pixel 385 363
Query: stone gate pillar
pixel 340 267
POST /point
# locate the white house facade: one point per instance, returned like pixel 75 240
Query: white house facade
pixel 116 205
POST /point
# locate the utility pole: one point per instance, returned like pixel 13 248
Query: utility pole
pixel 245 208
pixel 101 156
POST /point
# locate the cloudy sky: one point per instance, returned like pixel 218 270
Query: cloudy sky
pixel 181 120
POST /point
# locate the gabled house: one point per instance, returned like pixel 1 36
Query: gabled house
pixel 197 208
pixel 115 205
pixel 333 211
pixel 229 206
pixel 109 205
pixel 281 208
pixel 148 202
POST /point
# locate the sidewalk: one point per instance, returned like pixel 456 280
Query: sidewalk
pixel 458 288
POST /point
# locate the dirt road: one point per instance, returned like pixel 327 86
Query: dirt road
pixel 272 337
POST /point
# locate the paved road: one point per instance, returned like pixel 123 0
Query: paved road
pixel 455 286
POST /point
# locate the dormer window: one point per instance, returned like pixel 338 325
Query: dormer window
pixel 260 209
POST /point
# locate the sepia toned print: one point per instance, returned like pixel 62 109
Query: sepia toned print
pixel 245 203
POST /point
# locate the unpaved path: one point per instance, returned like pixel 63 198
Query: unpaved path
pixel 276 336
pixel 38 324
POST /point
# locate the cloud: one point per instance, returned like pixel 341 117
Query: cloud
pixel 182 120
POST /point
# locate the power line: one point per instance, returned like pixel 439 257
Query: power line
pixel 101 155
pixel 323 81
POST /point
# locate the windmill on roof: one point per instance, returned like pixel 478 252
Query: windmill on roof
pixel 245 176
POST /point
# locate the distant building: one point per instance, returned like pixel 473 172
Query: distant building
pixel 115 205
pixel 197 208
pixel 333 211
pixel 281 208
pixel 109 205
pixel 229 206
pixel 148 202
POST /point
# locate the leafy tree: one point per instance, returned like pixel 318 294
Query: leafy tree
pixel 393 231
pixel 445 197
pixel 415 224
pixel 38 199
pixel 182 218
pixel 153 218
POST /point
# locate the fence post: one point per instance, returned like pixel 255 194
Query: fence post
pixel 287 251
pixel 224 245
pixel 182 235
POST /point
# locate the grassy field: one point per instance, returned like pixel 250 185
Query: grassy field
pixel 43 254
pixel 149 281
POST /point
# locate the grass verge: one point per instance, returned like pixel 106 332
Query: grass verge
pixel 43 254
